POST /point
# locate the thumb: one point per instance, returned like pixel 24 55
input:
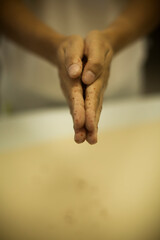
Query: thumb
pixel 73 56
pixel 95 63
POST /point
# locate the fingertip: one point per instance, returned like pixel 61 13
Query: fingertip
pixel 74 70
pixel 78 141
pixel 88 77
pixel 80 136
pixel 91 138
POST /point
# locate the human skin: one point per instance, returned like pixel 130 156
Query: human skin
pixel 138 19
pixel 18 23
pixel 66 52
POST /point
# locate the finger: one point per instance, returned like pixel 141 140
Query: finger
pixel 80 135
pixel 93 106
pixel 78 112
pixel 91 103
pixel 95 62
pixel 92 136
pixel 73 92
pixel 73 55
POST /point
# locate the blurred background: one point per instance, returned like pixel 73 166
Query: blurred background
pixel 28 82
pixel 52 188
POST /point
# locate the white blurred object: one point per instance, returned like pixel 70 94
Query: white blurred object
pixel 26 129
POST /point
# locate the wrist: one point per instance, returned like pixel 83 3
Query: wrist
pixel 119 34
pixel 111 37
pixel 49 46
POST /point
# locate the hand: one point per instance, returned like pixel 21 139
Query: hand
pixel 95 75
pixel 69 54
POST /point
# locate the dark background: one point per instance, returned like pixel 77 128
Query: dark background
pixel 152 65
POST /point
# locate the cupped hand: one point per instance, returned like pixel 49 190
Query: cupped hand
pixel 69 62
pixel 95 75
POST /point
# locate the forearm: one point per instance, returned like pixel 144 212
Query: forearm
pixel 138 19
pixel 18 23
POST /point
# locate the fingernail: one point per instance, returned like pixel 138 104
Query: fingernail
pixel 73 70
pixel 89 77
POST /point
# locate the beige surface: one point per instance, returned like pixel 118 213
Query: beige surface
pixel 60 190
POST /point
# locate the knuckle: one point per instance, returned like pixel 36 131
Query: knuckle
pixel 74 39
pixel 97 65
pixel 69 60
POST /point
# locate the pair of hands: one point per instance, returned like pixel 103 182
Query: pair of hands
pixel 84 70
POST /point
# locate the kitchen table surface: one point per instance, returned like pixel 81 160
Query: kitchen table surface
pixel 52 188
